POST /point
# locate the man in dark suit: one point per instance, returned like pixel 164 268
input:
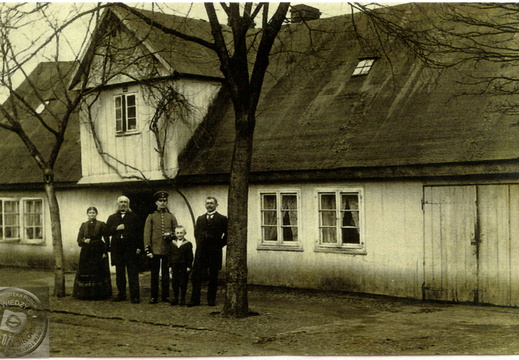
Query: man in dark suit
pixel 211 237
pixel 125 247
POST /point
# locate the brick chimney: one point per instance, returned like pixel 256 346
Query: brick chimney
pixel 302 12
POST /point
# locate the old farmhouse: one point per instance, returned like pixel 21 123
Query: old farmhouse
pixel 371 172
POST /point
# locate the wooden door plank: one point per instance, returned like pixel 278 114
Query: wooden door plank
pixel 449 229
pixel 494 252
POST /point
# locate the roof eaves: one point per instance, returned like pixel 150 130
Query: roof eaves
pixel 505 169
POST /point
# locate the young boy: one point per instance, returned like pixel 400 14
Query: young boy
pixel 180 261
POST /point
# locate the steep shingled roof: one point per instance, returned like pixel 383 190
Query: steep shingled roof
pixel 314 115
pixel 176 56
pixel 16 164
pixel 182 56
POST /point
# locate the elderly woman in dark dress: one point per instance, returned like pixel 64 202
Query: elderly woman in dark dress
pixel 93 276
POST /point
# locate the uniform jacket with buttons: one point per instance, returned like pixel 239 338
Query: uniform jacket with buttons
pixel 157 225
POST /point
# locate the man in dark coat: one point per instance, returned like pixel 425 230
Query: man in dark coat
pixel 125 246
pixel 211 237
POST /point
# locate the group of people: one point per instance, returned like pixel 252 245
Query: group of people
pixel 164 242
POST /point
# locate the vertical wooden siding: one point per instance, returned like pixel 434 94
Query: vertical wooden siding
pixel 472 243
pixel 450 251
pixel 137 150
pixel 499 251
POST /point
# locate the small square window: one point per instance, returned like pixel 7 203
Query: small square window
pixel 363 67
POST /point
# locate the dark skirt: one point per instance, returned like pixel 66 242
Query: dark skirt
pixel 93 276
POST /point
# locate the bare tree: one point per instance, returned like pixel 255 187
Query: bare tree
pixel 244 52
pixel 41 101
pixel 244 82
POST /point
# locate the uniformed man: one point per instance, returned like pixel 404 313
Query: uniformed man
pixel 159 231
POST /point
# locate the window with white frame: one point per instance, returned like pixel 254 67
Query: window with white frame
pixel 21 220
pixel 125 113
pixel 340 221
pixel 280 220
pixel 33 220
pixel 363 67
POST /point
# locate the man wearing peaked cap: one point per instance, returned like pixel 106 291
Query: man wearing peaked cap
pixel 158 232
pixel 160 195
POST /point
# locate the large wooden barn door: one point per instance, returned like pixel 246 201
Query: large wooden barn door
pixel 471 236
pixel 499 244
pixel 450 220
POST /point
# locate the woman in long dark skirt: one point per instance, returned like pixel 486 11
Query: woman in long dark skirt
pixel 93 276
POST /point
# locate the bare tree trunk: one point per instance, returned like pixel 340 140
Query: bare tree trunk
pixel 236 301
pixel 57 243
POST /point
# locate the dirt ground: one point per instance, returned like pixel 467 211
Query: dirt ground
pixel 284 322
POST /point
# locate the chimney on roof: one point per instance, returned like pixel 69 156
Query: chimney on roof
pixel 302 12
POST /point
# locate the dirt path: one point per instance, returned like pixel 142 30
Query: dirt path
pixel 289 322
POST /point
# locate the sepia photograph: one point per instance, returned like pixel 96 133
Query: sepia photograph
pixel 259 179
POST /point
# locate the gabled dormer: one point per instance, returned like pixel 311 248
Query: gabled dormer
pixel 149 93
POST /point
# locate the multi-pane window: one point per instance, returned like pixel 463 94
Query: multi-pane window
pixel 10 229
pixel 21 220
pixel 279 218
pixel 125 113
pixel 340 219
pixel 363 67
pixel 33 219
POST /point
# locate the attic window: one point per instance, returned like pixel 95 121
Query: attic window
pixel 125 113
pixel 363 67
pixel 41 107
